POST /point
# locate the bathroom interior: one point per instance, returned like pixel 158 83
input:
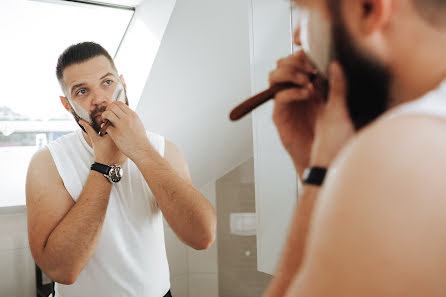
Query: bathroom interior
pixel 186 64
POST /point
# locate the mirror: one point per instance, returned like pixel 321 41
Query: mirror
pixel 199 66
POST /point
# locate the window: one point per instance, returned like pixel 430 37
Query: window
pixel 33 34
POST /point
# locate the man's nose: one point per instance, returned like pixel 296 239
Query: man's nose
pixel 99 97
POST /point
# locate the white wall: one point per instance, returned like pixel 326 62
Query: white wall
pixel 201 72
pixel 141 43
pixel 17 272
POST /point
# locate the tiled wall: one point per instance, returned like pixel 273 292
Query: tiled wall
pixel 224 270
pixel 237 255
pixel 192 273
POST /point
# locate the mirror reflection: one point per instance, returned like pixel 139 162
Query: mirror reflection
pixel 124 175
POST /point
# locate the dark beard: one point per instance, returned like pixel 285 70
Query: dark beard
pixel 368 89
pixel 96 126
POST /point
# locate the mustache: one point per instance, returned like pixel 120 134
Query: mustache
pixel 97 110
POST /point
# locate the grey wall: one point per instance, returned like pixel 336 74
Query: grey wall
pixel 237 255
pixel 192 273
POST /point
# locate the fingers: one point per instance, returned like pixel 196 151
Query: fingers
pixel 111 131
pixel 298 60
pixel 294 94
pixel 287 73
pixel 123 106
pixel 295 68
pixel 111 116
pixel 117 110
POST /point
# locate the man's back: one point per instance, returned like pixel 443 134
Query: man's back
pixel 381 212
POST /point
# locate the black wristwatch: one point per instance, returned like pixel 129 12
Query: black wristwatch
pixel 314 176
pixel 113 172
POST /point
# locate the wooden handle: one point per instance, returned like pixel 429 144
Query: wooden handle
pixel 250 104
pixel 104 128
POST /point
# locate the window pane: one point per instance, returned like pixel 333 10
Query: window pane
pixel 33 34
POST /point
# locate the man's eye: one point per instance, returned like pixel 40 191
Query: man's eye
pixel 108 82
pixel 81 92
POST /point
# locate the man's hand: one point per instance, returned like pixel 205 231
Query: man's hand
pixel 333 125
pixel 295 110
pixel 105 150
pixel 126 129
pixel 312 131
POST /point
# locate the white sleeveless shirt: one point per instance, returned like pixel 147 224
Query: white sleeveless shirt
pixel 130 256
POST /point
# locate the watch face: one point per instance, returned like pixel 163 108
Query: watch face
pixel 115 173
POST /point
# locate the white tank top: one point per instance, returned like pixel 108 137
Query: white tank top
pixel 130 256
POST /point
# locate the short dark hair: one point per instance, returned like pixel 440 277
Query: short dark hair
pixel 78 53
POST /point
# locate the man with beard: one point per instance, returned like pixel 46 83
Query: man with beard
pixel 95 204
pixel 376 225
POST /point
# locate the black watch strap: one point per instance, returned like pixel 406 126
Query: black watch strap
pixel 314 176
pixel 104 169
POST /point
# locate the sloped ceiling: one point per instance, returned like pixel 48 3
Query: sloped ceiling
pixel 201 71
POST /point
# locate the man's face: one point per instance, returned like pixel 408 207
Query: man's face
pixel 368 80
pixel 368 90
pixel 89 88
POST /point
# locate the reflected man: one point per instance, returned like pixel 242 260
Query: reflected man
pixel 95 204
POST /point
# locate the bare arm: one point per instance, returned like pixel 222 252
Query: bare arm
pixel 379 227
pixel 333 129
pixel 188 212
pixel 63 234
pixel 292 255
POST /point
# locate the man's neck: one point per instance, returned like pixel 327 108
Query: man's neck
pixel 420 70
pixel 420 87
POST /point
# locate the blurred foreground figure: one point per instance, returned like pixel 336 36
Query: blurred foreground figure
pixel 375 225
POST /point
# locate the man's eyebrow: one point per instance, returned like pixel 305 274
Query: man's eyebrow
pixel 104 76
pixel 82 84
pixel 76 86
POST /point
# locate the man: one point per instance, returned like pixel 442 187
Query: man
pixel 377 226
pixel 99 235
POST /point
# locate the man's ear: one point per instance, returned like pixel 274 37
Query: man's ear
pixel 375 15
pixel 121 77
pixel 65 103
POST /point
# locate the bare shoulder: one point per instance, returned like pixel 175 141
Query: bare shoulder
pixel 47 200
pixel 410 145
pixel 398 161
pixel 42 171
pixel 379 223
pixel 43 183
pixel 176 159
